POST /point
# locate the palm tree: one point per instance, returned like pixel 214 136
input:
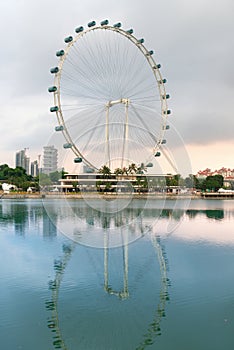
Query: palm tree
pixel 141 169
pixel 118 171
pixel 132 168
pixel 125 170
pixel 105 170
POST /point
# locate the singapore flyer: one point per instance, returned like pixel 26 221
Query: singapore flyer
pixel 109 97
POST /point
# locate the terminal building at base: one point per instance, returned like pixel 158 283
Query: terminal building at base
pixel 97 182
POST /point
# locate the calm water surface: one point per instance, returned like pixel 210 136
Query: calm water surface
pixel 171 287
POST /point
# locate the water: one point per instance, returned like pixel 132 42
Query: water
pixel 171 287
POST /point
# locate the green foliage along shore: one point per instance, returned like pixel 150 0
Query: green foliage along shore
pixel 18 177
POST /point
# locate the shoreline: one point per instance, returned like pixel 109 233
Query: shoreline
pixel 113 196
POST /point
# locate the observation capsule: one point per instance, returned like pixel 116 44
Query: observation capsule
pixel 168 111
pixel 166 127
pixel 165 97
pixel 54 109
pixel 58 128
pixel 117 25
pixel 54 70
pixel 105 22
pixel 68 39
pixel 141 41
pixel 151 52
pixel 129 31
pixel 79 29
pixel 52 89
pixel 158 65
pixel 78 160
pixel 157 154
pixel 67 145
pixel 149 165
pixel 60 53
pixel 163 81
pixel 91 24
pixel 163 142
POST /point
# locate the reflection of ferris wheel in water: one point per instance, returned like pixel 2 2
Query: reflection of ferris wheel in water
pixel 153 329
pixel 109 97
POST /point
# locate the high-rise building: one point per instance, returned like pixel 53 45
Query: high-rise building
pixel 50 159
pixel 22 160
pixel 34 168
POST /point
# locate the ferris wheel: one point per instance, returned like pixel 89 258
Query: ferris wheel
pixel 109 97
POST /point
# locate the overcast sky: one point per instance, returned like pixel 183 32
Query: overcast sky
pixel 192 39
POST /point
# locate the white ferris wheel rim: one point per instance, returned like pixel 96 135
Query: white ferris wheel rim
pixel 160 84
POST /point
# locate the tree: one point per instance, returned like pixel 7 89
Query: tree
pixel 44 180
pixel 13 176
pixel 75 186
pixel 63 173
pixel 171 180
pixel 118 171
pixel 132 168
pixel 214 183
pixel 105 170
pixel 141 169
pixel 125 170
pixel 189 181
pixel 142 184
pixel 55 176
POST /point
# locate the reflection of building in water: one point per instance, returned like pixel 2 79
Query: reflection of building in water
pixel 49 225
pixel 16 214
pixel 24 216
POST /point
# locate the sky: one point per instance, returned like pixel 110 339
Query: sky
pixel 192 39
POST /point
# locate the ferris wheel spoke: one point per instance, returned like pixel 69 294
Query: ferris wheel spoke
pixel 91 133
pixel 86 82
pixel 147 127
pixel 146 109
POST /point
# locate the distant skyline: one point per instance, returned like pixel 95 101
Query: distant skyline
pixel 191 39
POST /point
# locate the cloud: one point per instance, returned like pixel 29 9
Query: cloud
pixel 192 40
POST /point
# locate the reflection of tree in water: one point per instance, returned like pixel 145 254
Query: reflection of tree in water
pixel 217 214
pixel 81 222
pixel 175 214
pixel 178 214
pixel 154 328
pixel 105 220
pixel 192 213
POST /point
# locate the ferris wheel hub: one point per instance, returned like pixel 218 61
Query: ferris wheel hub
pixel 124 101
